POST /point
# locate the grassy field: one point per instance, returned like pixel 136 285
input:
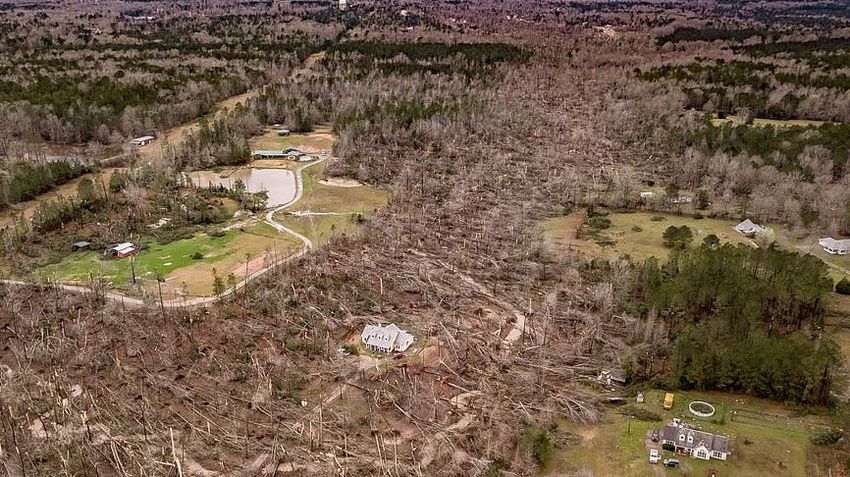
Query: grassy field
pixel 318 228
pixel 635 234
pixel 767 439
pixel 320 197
pixel 321 139
pixel 174 261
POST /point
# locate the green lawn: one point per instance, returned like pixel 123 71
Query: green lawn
pixel 635 234
pixel 162 259
pixel 775 445
pixel 318 197
pixel 318 228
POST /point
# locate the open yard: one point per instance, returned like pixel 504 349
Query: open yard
pixel 319 197
pixel 638 234
pixel 174 261
pixel 766 439
pixel 321 139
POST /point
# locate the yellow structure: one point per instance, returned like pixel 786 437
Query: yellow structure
pixel 668 401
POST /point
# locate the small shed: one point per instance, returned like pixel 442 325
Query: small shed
pixel 142 141
pixel 123 250
pixel 81 245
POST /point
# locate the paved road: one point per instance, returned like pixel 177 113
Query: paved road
pixel 205 300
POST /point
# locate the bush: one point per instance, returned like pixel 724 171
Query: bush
pixel 216 233
pixel 637 228
pixel 599 222
pixel 538 443
pixel 678 237
pixel 843 286
pixel 668 447
pixel 658 218
pixel 826 437
pixel 592 211
pixel 197 256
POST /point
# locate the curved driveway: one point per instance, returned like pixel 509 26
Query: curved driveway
pixel 204 300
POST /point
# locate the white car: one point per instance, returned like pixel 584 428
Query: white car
pixel 653 456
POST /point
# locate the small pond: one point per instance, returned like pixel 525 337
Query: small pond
pixel 279 183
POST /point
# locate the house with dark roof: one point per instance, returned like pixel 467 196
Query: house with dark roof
pixel 684 439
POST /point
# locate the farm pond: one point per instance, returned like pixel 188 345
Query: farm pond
pixel 278 183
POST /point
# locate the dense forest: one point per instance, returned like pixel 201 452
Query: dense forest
pixel 743 319
pixel 24 180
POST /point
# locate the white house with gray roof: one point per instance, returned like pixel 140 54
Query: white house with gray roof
pixel 686 440
pixel 835 247
pixel 749 228
pixel 386 339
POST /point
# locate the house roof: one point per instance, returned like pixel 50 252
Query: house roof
pixel 123 247
pixel 748 226
pixel 390 336
pixel 712 442
pixel 834 244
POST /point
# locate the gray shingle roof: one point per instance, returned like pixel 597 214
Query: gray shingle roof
pixel 712 442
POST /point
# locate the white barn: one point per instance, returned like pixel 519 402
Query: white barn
pixel 386 339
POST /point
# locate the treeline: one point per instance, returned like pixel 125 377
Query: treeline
pixel 24 180
pixel 743 319
pixel 759 89
pixel 683 34
pixel 479 53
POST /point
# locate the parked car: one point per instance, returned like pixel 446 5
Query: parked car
pixel 653 456
pixel 655 435
pixel 671 462
pixel 398 355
